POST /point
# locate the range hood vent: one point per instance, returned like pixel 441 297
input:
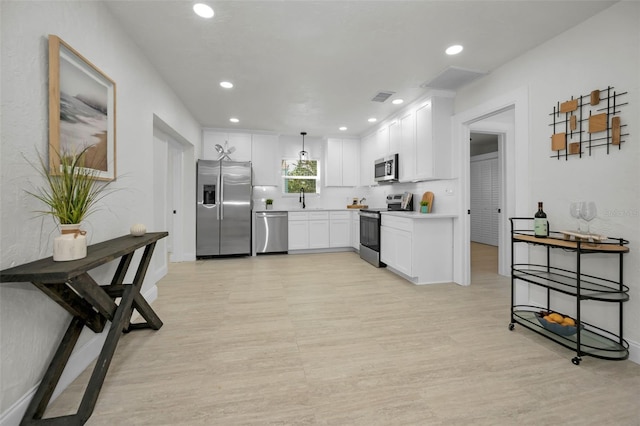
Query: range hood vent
pixel 382 96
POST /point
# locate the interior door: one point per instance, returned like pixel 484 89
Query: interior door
pixel 207 209
pixel 235 212
pixel 485 200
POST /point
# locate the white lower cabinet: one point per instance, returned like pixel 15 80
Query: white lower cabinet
pixel 339 229
pixel 396 250
pixel 420 249
pixel 355 230
pixel 298 231
pixel 319 230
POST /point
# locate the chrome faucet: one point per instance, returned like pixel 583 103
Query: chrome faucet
pixel 301 199
pixel 362 200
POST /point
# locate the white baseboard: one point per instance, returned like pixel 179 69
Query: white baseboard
pixel 80 359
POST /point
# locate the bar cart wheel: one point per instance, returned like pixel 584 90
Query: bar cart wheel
pixel 511 326
pixel 576 360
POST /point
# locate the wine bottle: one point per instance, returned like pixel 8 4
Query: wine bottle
pixel 540 223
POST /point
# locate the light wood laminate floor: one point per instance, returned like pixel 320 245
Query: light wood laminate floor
pixel 327 339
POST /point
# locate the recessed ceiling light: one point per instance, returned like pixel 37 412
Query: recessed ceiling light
pixel 226 84
pixel 343 128
pixel 397 101
pixel 454 50
pixel 203 10
pixel 372 120
pixel 234 120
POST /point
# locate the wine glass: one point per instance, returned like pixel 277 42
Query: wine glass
pixel 588 212
pixel 574 210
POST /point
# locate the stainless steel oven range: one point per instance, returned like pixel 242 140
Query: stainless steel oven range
pixel 370 220
pixel 370 236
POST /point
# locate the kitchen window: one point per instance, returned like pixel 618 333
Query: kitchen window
pixel 298 175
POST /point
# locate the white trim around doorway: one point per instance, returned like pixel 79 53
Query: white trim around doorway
pixel 515 172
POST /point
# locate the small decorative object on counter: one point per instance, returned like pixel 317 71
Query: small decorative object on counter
pixel 269 204
pixel 424 207
pixel 138 230
pixel 428 198
pixel 540 223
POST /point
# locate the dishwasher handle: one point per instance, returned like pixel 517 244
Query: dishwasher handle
pixel 268 214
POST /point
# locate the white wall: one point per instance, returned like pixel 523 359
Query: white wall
pixel 602 51
pixel 31 325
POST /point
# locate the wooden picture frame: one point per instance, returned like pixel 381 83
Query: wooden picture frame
pixel 82 111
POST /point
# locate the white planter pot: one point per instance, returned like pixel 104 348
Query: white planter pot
pixel 71 244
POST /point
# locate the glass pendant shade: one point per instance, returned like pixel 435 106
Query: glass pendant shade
pixel 303 155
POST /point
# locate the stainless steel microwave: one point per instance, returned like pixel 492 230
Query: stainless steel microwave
pixel 386 169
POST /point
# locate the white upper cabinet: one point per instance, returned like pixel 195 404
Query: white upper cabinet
pixel 424 142
pixel 395 137
pixel 266 160
pixel 240 141
pixel 342 162
pixel 407 150
pixel 367 157
pixel 350 162
pixel 382 143
pixel 420 135
pixel 433 139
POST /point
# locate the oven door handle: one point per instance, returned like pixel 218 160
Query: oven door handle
pixel 371 215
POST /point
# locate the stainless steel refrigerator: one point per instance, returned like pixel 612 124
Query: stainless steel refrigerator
pixel 223 212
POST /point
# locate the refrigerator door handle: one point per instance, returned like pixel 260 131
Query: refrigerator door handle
pixel 221 197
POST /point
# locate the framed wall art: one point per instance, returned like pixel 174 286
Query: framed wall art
pixel 82 111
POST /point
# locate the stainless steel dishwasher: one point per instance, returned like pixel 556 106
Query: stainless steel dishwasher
pixel 272 232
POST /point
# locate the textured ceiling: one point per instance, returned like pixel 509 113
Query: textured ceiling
pixel 316 65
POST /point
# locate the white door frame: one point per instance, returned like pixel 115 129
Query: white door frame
pixel 173 174
pixel 175 195
pixel 515 173
pixel 504 132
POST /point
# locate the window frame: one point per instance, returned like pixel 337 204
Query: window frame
pixel 283 177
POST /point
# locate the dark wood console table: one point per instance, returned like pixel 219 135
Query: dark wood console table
pixel 90 304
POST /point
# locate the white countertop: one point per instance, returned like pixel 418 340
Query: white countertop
pixel 409 215
pixel 260 210
pixel 418 215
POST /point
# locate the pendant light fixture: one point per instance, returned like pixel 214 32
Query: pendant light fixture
pixel 304 155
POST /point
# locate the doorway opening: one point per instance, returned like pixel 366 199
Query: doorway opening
pixel 507 115
pixel 485 200
pixel 173 199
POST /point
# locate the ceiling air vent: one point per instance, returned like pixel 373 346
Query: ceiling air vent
pixel 453 78
pixel 382 96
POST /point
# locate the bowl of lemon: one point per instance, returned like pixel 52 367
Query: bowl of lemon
pixel 557 323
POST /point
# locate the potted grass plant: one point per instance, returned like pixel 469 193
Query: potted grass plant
pixel 70 194
pixel 269 204
pixel 424 207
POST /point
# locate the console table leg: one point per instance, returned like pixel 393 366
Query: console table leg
pixel 137 283
pixel 106 354
pixel 40 400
